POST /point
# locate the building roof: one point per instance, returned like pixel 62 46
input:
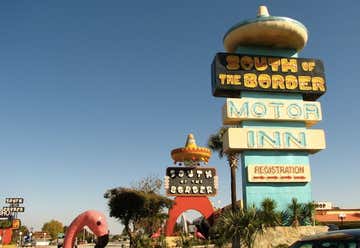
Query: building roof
pixel 334 215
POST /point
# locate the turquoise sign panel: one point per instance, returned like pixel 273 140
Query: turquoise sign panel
pixel 274 151
pixel 282 193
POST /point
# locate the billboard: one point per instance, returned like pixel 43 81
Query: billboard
pixel 13 207
pixel 14 200
pixel 234 73
pixel 191 181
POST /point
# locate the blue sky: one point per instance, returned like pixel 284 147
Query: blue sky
pixel 95 94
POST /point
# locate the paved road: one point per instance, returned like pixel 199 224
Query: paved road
pixel 109 245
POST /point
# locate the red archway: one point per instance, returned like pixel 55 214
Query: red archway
pixel 6 235
pixel 184 203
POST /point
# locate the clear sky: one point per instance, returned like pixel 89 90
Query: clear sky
pixel 95 94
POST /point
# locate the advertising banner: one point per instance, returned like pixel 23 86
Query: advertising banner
pixel 191 181
pixel 234 73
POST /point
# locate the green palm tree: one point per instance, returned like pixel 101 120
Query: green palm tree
pixel 268 214
pixel 243 223
pixel 293 213
pixel 308 213
pixel 215 143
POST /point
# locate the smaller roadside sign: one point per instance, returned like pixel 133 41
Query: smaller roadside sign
pixel 14 209
pixel 14 200
pixel 4 213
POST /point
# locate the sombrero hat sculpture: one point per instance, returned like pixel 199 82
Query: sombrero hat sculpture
pixel 267 31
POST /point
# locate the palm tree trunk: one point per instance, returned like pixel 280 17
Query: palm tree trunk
pixel 236 239
pixel 233 162
pixel 233 188
pixel 236 242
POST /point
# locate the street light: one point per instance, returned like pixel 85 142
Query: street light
pixel 342 216
pixel 31 233
pixel 44 235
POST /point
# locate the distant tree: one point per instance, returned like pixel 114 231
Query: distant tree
pixel 84 235
pixel 53 228
pixel 150 184
pixel 140 211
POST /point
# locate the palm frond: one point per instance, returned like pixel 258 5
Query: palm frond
pixel 215 141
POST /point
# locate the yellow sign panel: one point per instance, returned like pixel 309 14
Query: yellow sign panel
pixel 239 139
pixel 16 224
pixel 278 173
pixel 236 110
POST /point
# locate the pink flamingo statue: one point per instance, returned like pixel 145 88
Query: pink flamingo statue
pixel 156 234
pixel 93 219
pixel 198 234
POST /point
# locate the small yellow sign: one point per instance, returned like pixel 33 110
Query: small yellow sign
pixel 16 223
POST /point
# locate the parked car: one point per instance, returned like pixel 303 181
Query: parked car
pixel 335 239
pixel 333 227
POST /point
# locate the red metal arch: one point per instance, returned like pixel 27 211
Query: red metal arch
pixel 6 235
pixel 183 203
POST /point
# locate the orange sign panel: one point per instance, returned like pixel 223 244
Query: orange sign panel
pixel 16 223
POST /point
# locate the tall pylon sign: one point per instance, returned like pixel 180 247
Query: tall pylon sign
pixel 190 183
pixel 270 106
